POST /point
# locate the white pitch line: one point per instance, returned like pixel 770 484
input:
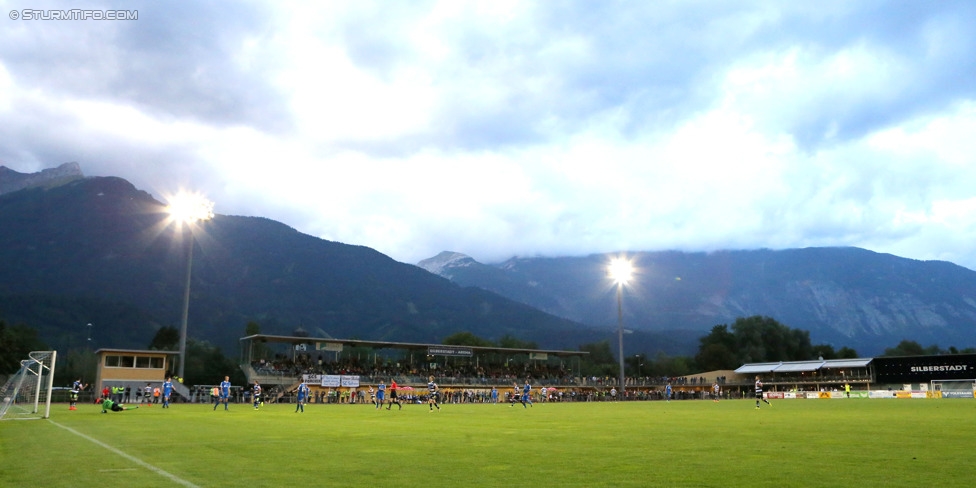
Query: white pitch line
pixel 136 460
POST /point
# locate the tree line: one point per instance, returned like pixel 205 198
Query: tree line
pixel 753 339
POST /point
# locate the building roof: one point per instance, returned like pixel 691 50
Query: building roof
pixel 802 366
pixel 758 368
pixel 799 366
pixel 399 345
pixel 846 363
pixel 107 350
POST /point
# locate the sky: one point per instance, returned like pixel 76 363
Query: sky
pixel 500 129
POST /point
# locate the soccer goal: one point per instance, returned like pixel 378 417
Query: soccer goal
pixel 955 388
pixel 27 391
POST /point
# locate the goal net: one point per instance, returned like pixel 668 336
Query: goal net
pixel 27 394
pixel 955 388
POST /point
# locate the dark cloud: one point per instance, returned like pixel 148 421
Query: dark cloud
pixel 185 61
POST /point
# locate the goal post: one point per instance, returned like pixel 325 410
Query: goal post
pixel 30 388
pixel 964 388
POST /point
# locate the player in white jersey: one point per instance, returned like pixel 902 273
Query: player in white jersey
pixel 759 393
pixel 432 392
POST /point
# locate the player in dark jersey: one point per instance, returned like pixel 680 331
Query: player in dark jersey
pixel 76 388
pixel 432 394
pixel 759 393
pixel 256 393
pixel 393 395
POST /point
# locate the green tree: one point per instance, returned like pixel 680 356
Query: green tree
pixel 206 365
pixel 664 365
pixel 846 353
pixel 763 339
pixel 825 351
pixel 79 363
pixel 600 361
pixel 717 350
pixel 512 342
pixel 15 343
pixel 466 339
pixel 906 348
pixel 166 339
pixel 252 328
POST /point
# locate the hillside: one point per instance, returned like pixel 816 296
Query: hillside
pixel 843 296
pixel 97 250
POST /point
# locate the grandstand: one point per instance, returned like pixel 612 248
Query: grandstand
pixel 903 373
pixel 282 361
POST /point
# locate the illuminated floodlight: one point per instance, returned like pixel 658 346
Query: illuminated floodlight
pixel 620 271
pixel 190 208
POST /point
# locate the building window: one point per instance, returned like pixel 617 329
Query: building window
pixel 112 361
pixel 142 361
pixel 156 363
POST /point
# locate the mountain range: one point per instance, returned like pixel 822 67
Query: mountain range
pixel 78 250
pixel 98 250
pixel 844 296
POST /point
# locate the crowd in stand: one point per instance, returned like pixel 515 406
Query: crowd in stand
pixel 541 373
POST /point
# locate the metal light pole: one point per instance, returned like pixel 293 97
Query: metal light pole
pixel 186 304
pixel 620 271
pixel 188 209
pixel 620 333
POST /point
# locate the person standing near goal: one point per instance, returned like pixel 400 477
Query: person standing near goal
pixel 759 393
pixel 76 388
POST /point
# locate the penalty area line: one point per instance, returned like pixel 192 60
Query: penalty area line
pixel 134 459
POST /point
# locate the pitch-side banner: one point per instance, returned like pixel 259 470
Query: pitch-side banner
pixel 336 381
pixel 449 351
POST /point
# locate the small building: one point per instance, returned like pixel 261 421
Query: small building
pixel 131 368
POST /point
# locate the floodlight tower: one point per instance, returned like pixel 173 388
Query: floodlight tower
pixel 620 271
pixel 188 209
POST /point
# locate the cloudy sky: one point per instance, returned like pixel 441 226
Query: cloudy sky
pixel 500 128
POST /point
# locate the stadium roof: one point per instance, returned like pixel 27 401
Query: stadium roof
pixel 399 345
pixel 802 366
pixel 846 363
pixel 798 366
pixel 758 368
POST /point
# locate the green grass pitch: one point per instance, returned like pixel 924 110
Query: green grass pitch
pixel 682 443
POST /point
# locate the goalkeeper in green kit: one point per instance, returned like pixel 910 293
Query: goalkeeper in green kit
pixel 108 404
